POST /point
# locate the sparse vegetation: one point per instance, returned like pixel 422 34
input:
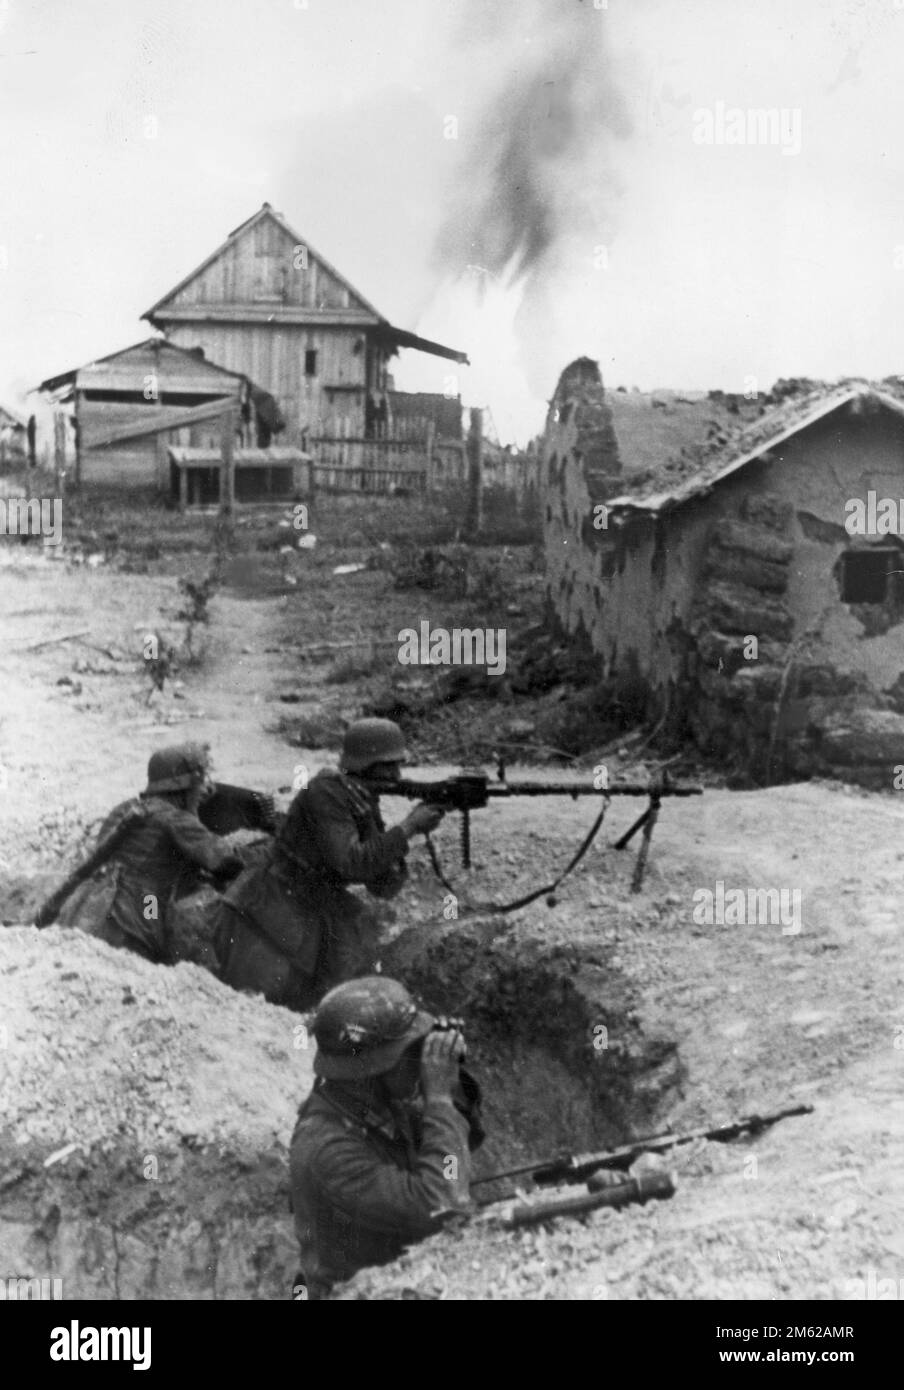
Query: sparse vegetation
pixel 352 668
pixel 455 572
pixel 160 663
pixel 195 613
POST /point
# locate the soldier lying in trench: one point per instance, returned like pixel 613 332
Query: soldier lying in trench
pixel 131 900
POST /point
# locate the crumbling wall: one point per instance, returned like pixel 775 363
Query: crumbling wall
pixel 740 629
pixel 723 616
pixel 623 588
pixel 822 693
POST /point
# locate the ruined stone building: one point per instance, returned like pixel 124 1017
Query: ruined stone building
pixel 732 566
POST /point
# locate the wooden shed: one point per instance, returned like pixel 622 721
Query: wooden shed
pixel 261 476
pixel 128 408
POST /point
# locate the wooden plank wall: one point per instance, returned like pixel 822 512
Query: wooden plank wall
pixel 272 356
pixel 132 465
pixel 259 266
pixel 138 463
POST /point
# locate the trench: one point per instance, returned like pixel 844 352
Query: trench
pixel 555 1037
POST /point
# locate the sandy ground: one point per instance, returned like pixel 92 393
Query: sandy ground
pixel 763 1018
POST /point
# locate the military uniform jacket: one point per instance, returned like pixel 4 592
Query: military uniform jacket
pixel 365 1183
pixel 158 858
pixel 334 833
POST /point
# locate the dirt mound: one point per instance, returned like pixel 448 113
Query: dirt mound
pixel 22 894
pixel 808 1210
pixel 554 1031
pixel 162 1171
pixel 148 1112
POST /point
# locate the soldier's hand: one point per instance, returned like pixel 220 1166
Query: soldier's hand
pixel 422 819
pixel 439 1064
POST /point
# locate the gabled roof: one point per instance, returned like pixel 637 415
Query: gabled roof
pixel 362 313
pixel 99 373
pixel 263 213
pixel 725 447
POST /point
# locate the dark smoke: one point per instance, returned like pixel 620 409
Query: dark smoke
pixel 535 164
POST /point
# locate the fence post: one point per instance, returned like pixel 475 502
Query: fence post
pixel 429 481
pixel 59 451
pixel 227 463
pixel 475 472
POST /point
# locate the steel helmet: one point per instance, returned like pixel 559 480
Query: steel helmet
pixel 174 769
pixel 370 741
pixel 363 1026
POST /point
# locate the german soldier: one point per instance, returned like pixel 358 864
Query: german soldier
pixel 127 902
pixel 380 1155
pixel 291 928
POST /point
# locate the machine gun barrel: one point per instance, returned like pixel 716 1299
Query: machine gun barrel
pixel 576 789
pixel 472 791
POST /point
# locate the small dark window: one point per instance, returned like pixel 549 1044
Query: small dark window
pixel 865 575
pixel 310 362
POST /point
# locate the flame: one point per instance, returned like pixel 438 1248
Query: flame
pixel 480 310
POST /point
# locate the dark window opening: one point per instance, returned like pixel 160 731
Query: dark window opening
pixel 310 362
pixel 175 398
pixel 870 576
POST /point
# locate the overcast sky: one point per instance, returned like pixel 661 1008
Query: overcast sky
pixel 721 261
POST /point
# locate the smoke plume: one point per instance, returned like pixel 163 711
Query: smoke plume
pixel 534 158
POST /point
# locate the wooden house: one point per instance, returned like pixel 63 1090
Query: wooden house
pixel 266 305
pixel 128 409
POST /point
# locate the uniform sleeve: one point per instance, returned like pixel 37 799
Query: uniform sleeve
pixel 386 1200
pixel 354 860
pixel 200 845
